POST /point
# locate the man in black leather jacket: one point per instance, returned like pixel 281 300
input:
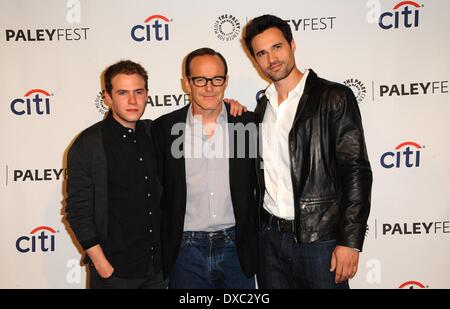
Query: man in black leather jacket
pixel 313 171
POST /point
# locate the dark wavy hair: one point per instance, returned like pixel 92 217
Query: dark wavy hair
pixel 260 24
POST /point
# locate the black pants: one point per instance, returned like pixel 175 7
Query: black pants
pixel 285 264
pixel 152 281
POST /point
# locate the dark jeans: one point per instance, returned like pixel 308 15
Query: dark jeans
pixel 209 260
pixel 152 281
pixel 285 264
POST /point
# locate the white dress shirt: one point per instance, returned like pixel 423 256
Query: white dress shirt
pixel 277 122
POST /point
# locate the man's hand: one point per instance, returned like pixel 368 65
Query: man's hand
pixel 101 264
pixel 104 270
pixel 236 109
pixel 345 261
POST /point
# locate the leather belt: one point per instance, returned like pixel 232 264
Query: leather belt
pixel 281 225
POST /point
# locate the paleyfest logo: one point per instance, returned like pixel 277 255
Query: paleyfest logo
pixel 100 102
pixel 358 88
pixel 227 27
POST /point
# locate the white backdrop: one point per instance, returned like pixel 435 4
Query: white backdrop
pixel 52 55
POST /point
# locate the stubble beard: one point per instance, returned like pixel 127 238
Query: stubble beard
pixel 277 76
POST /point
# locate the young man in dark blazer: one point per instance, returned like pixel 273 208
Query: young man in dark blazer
pixel 113 188
pixel 208 229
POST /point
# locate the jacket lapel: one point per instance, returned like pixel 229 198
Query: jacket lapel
pixel 304 98
pixel 179 167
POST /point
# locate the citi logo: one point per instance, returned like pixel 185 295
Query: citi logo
pixel 412 285
pixel 405 14
pixel 155 27
pixel 35 101
pixel 41 239
pixel 406 154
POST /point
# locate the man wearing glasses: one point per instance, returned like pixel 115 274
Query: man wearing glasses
pixel 208 225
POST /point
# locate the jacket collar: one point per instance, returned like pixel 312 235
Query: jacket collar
pixel 262 102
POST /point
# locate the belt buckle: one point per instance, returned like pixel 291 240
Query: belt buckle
pixel 282 226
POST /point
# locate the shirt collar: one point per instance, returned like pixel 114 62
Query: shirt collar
pixel 221 118
pixel 195 122
pixel 119 130
pixel 271 91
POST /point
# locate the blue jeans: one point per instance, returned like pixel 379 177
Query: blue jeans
pixel 285 264
pixel 209 260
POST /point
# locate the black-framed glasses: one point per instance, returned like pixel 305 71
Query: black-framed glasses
pixel 201 81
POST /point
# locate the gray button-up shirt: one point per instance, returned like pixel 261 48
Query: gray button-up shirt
pixel 208 201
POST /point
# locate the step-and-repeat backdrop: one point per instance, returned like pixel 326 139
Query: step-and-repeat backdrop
pixel 393 54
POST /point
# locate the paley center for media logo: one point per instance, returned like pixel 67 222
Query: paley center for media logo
pixel 404 14
pixel 378 90
pixel 34 175
pixel 358 88
pixel 412 89
pixel 34 102
pixel 383 228
pixel 227 27
pixel 164 100
pixel 100 102
pixel 40 239
pixel 406 154
pixel 155 28
pixel 47 35
pixel 312 23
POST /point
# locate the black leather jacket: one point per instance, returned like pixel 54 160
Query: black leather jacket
pixel 330 169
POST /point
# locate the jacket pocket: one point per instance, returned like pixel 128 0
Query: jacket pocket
pixel 318 215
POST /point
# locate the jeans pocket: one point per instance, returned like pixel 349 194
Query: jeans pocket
pixel 229 240
pixel 186 241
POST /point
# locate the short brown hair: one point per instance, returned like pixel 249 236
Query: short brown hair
pixel 124 67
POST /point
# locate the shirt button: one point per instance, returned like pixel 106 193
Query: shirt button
pixel 146 177
pixel 148 194
pixel 140 159
pixel 134 141
pixel 212 193
pixel 150 230
pixel 129 130
pixel 152 248
pixel 150 213
pixel 124 136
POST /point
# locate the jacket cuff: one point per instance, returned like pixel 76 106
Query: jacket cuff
pixel 89 243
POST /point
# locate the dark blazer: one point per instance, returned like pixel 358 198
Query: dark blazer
pixel 87 187
pixel 173 201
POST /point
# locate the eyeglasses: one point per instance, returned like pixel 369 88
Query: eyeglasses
pixel 201 81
